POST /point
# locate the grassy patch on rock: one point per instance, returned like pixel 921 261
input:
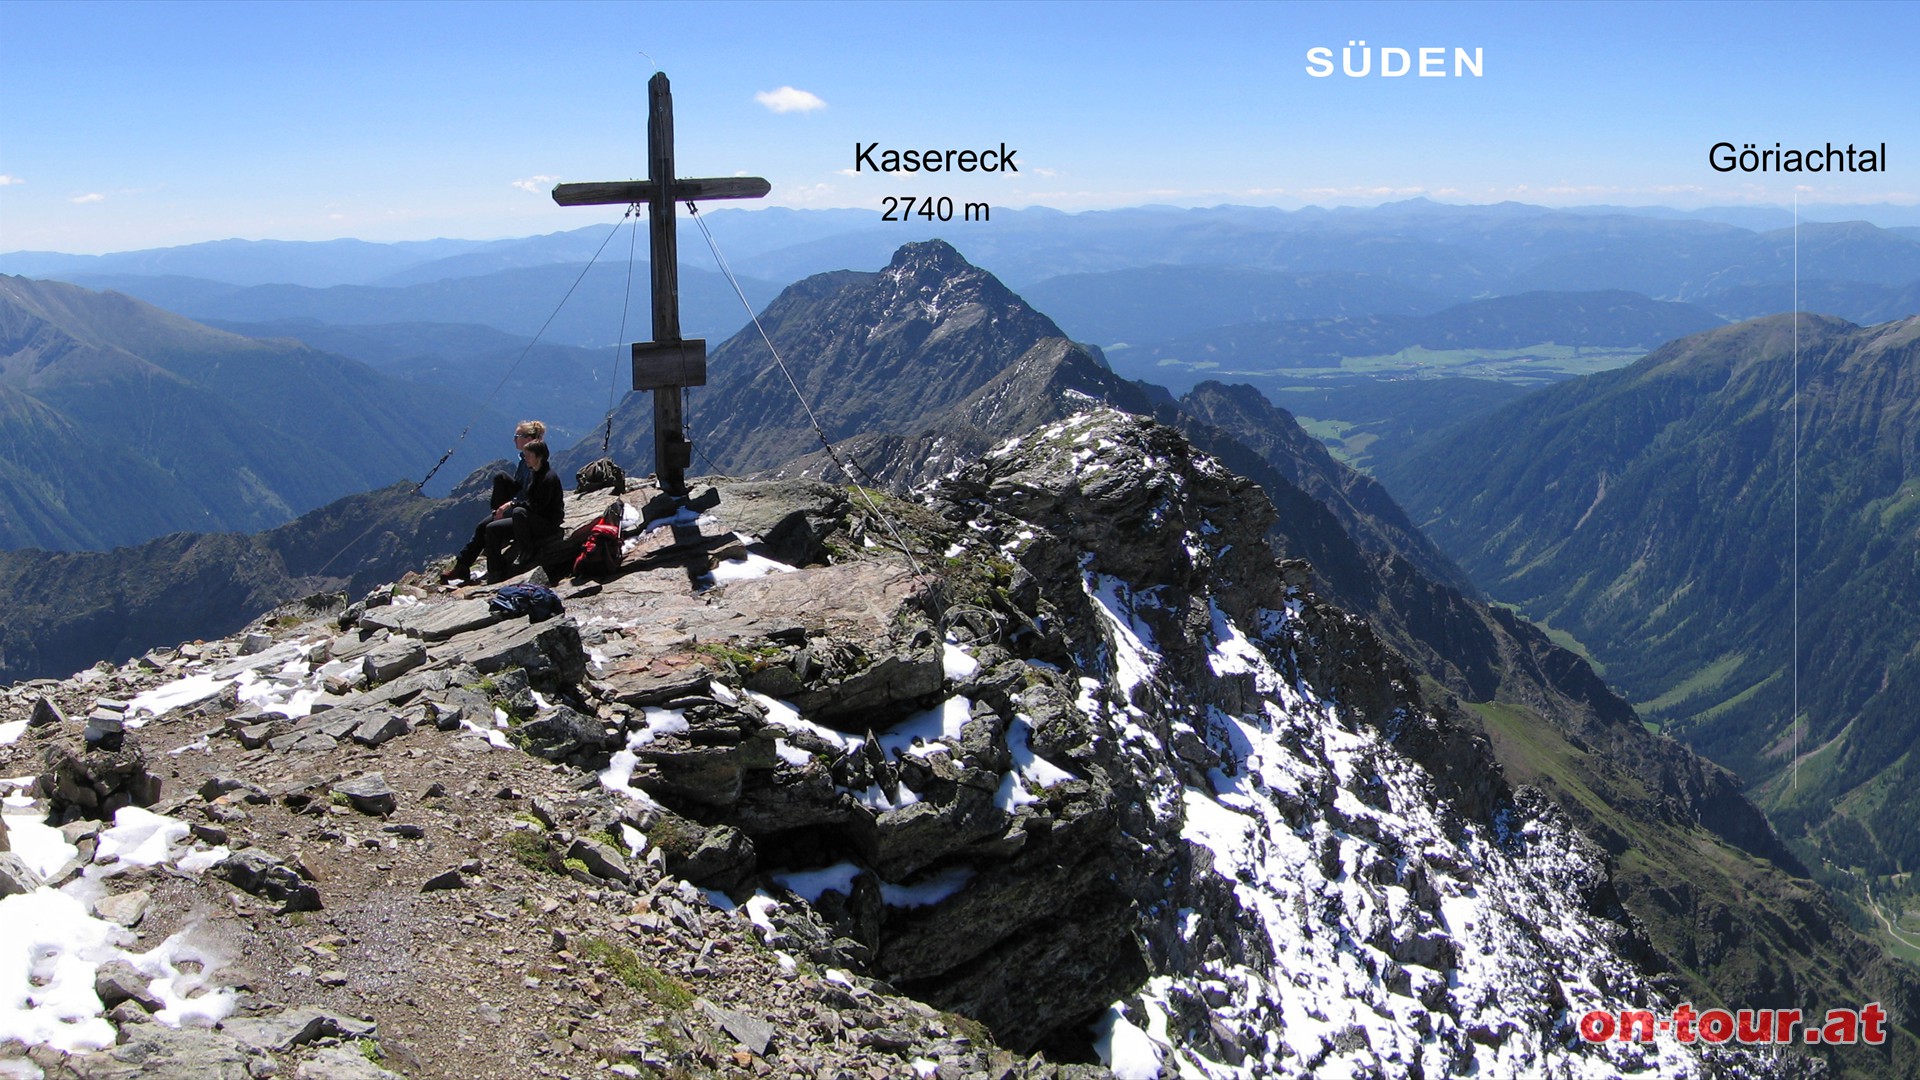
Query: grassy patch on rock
pixel 529 848
pixel 660 988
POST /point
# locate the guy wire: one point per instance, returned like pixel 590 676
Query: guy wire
pixel 832 454
pixel 488 400
pixel 626 299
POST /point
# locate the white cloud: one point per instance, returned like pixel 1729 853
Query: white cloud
pixel 536 184
pixel 9 181
pixel 92 197
pixel 806 194
pixel 787 99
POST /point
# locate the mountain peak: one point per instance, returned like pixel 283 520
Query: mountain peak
pixel 937 280
pixel 869 352
pixel 934 255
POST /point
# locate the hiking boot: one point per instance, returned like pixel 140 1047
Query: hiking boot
pixel 458 570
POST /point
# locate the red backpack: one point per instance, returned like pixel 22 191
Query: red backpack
pixel 600 556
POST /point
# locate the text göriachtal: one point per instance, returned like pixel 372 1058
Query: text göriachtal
pixel 1749 158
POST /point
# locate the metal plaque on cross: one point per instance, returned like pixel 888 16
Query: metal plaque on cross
pixel 667 365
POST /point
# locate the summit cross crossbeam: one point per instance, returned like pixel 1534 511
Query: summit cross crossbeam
pixel 667 365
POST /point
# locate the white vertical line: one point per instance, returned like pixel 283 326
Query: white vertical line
pixel 1796 490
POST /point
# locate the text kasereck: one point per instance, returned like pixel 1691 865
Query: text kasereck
pixel 1724 157
pixel 869 156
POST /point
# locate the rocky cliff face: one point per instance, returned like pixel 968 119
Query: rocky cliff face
pixel 1089 774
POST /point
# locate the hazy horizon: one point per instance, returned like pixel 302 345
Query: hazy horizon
pixel 1881 215
pixel 171 123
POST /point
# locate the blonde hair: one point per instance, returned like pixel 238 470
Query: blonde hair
pixel 531 427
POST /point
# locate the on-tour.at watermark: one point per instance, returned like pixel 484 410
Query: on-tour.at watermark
pixel 1866 1024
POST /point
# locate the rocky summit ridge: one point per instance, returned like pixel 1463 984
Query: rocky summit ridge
pixel 1087 777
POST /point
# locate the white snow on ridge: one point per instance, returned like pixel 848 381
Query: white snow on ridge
pixel 618 775
pixel 52 945
pixel 1029 768
pixel 1136 651
pixel 811 885
pixel 956 662
pixel 278 679
pixel 139 838
pixel 48 958
pixel 1417 907
pixel 752 566
pixel 39 845
pixel 786 716
pixel 927 731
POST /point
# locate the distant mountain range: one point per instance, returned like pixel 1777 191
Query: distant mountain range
pixel 564 385
pixel 324 263
pixel 1453 252
pixel 1855 301
pixel 247 262
pixel 1508 322
pixel 1226 289
pixel 126 422
pixel 1194 293
pixel 518 301
pixel 65 610
pixel 1650 512
pixel 1153 303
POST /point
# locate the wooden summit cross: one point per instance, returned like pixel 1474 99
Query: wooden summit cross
pixel 666 365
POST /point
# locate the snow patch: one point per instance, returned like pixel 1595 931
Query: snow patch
pixel 757 909
pixel 956 662
pixel 39 845
pixel 786 716
pixel 139 838
pixel 53 945
pixel 929 730
pixel 1125 1048
pixel 929 892
pixel 752 566
pixel 48 958
pixel 811 885
pixel 187 997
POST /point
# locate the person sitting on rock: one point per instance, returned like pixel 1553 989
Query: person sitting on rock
pixel 506 488
pixel 531 519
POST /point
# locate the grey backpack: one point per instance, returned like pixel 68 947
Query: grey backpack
pixel 602 473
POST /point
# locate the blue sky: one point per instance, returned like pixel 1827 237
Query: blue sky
pixel 126 126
